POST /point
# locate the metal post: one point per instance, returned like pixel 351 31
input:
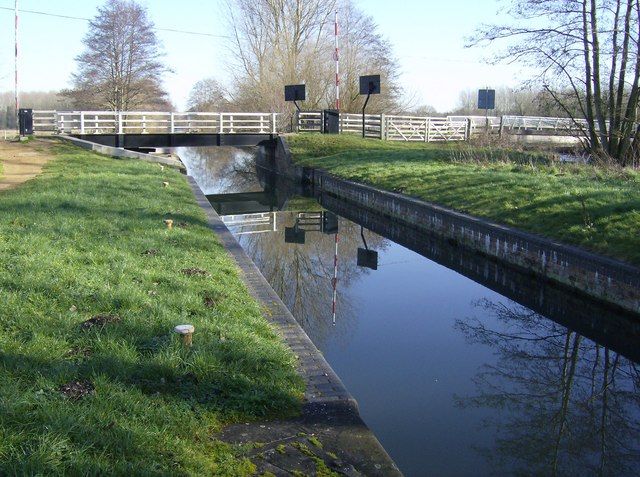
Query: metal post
pixel 17 100
pixel 337 58
pixel 363 108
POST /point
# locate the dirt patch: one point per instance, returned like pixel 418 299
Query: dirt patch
pixel 75 390
pixel 23 161
pixel 99 321
pixel 194 272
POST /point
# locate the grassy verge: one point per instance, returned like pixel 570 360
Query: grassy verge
pixel 589 206
pixel 92 378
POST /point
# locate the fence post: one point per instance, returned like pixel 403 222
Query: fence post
pixel 173 124
pixel 383 127
pixel 273 123
pixel 60 123
pixel 82 122
pixel 468 129
pixel 97 125
pixel 120 123
pixel 428 129
pixel 501 126
pixel 220 124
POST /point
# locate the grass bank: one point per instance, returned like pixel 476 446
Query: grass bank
pixel 92 378
pixel 593 207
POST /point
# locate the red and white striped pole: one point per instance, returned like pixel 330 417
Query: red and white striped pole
pixel 337 58
pixel 16 58
pixel 335 281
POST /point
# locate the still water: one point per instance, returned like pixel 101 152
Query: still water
pixel 460 365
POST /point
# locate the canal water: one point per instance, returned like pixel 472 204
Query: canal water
pixel 460 366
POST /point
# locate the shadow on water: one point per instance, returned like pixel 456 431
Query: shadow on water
pixel 461 365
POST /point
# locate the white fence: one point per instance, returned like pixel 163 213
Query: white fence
pixel 152 122
pixel 391 127
pixel 543 123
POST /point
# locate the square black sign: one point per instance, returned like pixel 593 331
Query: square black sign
pixel 295 92
pixel 370 84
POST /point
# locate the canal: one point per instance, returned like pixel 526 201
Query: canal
pixel 460 365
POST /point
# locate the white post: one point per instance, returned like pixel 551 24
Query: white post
pixel 428 129
pixel 173 126
pixel 82 122
pixel 120 125
pixel 231 124
pixel 220 124
pixel 95 118
pixel 144 124
pixel 60 123
pixel 383 127
pixel 273 123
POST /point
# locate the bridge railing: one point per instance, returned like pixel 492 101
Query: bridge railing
pixel 153 122
pixel 391 127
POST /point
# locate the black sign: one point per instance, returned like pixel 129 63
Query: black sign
pixel 367 258
pixel 370 84
pixel 294 235
pixel 295 92
pixel 487 99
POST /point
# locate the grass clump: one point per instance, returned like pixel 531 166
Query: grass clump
pixel 595 207
pixel 92 378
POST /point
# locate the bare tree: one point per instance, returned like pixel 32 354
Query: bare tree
pixel 278 42
pixel 208 95
pixel 588 52
pixel 121 66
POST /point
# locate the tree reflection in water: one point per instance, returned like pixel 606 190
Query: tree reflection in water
pixel 567 403
pixel 301 274
pixel 222 169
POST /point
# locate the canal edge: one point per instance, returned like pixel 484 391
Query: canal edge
pixel 600 277
pixel 324 389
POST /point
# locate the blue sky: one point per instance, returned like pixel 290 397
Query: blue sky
pixel 428 38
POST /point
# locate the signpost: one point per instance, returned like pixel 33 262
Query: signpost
pixel 486 101
pixel 295 93
pixel 368 85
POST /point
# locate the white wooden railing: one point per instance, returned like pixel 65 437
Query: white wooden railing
pixel 153 122
pixel 537 123
pixel 392 127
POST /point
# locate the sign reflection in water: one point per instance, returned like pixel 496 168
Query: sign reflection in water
pixel 460 365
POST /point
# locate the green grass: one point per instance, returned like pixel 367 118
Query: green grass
pixel 72 246
pixel 593 207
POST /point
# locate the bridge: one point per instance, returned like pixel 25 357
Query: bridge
pixel 153 129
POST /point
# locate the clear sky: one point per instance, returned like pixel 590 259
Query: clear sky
pixel 428 38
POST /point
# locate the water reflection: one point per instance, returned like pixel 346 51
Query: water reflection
pixel 296 252
pixel 537 380
pixel 564 404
